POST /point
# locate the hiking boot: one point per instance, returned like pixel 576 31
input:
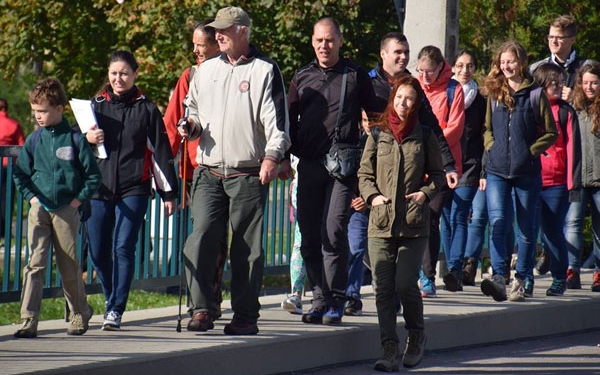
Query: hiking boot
pixel 200 322
pixel 293 304
pixel 557 288
pixel 79 323
pixel 28 330
pixel 469 271
pixel 596 283
pixel 333 315
pixel 313 316
pixel 517 290
pixel 390 360
pixel 453 281
pixel 543 264
pixel 573 279
pixel 528 289
pixel 494 286
pixel 112 321
pixel 427 286
pixel 240 327
pixel 353 307
pixel 415 347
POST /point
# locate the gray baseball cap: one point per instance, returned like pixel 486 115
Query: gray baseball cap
pixel 229 16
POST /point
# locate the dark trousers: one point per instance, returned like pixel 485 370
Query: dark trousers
pixel 430 258
pixel 216 202
pixel 323 214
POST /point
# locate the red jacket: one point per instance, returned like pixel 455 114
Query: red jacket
pixel 11 133
pixel 173 114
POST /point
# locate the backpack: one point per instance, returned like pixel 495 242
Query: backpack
pixel 85 210
pixel 450 89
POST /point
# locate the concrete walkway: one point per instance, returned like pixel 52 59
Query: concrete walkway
pixel 148 343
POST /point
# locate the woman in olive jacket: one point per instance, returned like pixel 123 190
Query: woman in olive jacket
pixel 401 171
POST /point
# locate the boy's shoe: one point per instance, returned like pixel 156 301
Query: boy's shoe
pixel 200 322
pixel 112 321
pixel 28 330
pixel 426 286
pixel 596 283
pixel 557 288
pixel 240 327
pixel 79 323
pixel 353 307
pixel 494 286
pixel 390 360
pixel 528 289
pixel 453 281
pixel 292 304
pixel 543 264
pixel 469 271
pixel 517 290
pixel 313 316
pixel 333 315
pixel 573 279
pixel 415 348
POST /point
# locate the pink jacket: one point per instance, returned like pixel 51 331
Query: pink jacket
pixel 452 120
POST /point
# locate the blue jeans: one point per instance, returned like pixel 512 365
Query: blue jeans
pixel 526 192
pixel 552 210
pixel 574 226
pixel 478 225
pixel 357 240
pixel 112 232
pixel 455 214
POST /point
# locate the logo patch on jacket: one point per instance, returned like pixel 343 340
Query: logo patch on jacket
pixel 65 153
pixel 244 86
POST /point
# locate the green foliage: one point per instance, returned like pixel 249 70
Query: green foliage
pixel 485 24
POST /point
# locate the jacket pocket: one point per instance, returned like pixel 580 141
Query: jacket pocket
pixel 380 215
pixel 416 216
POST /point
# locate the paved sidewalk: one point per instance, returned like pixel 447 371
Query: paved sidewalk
pixel 148 343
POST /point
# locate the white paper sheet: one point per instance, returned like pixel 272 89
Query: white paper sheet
pixel 84 114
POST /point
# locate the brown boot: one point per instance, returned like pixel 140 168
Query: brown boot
pixel 415 348
pixel 389 362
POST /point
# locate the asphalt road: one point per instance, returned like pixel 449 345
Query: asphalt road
pixel 577 353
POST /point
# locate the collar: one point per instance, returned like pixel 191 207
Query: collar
pixel 569 61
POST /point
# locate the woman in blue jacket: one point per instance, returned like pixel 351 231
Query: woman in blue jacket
pixel 518 129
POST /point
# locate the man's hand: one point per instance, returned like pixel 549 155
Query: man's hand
pixel 482 184
pixel 418 197
pixel 359 204
pixel 452 179
pixel 285 170
pixel 169 207
pixel 566 94
pixel 268 171
pixel 183 127
pixel 75 203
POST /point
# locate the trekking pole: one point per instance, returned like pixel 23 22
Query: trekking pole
pixel 183 229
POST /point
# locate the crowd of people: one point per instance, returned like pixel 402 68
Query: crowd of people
pixel 388 167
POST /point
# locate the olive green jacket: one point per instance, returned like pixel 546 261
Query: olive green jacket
pixel 394 172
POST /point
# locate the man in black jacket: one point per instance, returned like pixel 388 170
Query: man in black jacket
pixel 325 100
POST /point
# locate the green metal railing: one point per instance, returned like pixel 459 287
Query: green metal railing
pixel 158 249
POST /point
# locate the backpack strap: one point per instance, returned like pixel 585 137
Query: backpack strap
pixel 37 133
pixel 563 118
pixel 450 90
pixel 534 100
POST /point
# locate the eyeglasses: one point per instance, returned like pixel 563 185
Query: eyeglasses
pixel 429 72
pixel 462 66
pixel 556 84
pixel 559 39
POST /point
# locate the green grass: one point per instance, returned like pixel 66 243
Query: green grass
pixel 54 308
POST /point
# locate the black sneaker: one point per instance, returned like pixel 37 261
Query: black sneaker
pixel 469 271
pixel 494 286
pixel 353 307
pixel 314 316
pixel 453 281
pixel 543 264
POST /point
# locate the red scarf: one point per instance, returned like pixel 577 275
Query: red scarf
pixel 400 132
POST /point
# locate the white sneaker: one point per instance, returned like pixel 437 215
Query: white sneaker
pixel 292 304
pixel 112 321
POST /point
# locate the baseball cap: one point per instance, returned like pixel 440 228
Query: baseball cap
pixel 229 16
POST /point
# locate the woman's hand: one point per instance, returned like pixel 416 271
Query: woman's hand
pixel 419 197
pixel 378 200
pixel 169 207
pixel 95 135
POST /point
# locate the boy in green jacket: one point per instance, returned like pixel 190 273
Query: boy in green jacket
pixel 56 172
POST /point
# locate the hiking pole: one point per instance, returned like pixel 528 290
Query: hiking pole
pixel 183 229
